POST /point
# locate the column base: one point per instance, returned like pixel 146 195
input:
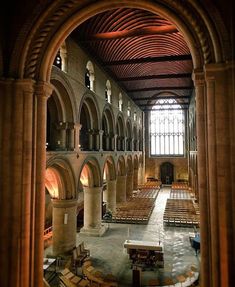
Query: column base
pixel 94 231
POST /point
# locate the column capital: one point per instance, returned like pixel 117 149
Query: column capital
pixel 43 89
pixel 64 203
pixel 78 126
pixel 94 190
pixel 24 84
pixel 198 77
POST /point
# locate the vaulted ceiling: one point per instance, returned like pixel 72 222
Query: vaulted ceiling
pixel 143 52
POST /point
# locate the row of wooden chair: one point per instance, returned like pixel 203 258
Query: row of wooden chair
pixel 189 278
pixel 181 194
pixel 179 185
pixel 180 212
pixel 97 277
pixel 69 279
pixel 136 210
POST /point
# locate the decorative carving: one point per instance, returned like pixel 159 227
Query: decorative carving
pixel 45 29
pixel 64 8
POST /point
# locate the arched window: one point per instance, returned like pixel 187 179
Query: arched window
pixel 128 109
pixel 135 116
pixel 89 76
pixel 120 102
pixel 108 92
pixel 167 128
pixel 58 61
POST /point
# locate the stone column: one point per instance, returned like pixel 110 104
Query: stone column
pixel 111 195
pixel 93 212
pixel 129 185
pixel 101 132
pixel 42 92
pixel 199 83
pixel 135 179
pixel 121 188
pixel 64 225
pixel 220 170
pixel 115 142
pixel 71 136
pixel 16 186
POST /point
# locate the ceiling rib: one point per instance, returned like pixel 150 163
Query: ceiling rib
pixel 158 89
pixel 149 60
pixel 160 98
pixel 130 33
pixel 152 77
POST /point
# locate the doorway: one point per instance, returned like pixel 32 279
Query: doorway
pixel 167 173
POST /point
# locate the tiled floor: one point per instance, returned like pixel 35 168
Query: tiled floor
pixel 108 254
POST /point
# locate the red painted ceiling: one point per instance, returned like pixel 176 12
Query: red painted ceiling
pixel 143 52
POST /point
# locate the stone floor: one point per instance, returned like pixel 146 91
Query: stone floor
pixel 109 255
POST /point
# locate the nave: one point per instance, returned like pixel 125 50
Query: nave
pixel 109 256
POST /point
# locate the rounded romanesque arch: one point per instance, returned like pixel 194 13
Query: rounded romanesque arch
pixel 120 131
pixel 129 135
pixel 108 128
pixel 135 172
pixel 90 124
pixel 90 177
pixel 90 173
pixel 206 45
pixel 135 139
pixel 109 185
pixel 121 166
pixel 60 116
pixel 109 168
pixel 60 173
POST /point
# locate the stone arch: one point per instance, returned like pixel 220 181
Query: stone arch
pixel 108 128
pixel 140 139
pixel 135 138
pixel 129 165
pixel 90 176
pixel 109 168
pixel 129 176
pixel 121 166
pixel 60 117
pixel 64 175
pixel 121 180
pixel 120 132
pixel 135 172
pixel 205 43
pixel 90 123
pixel 109 185
pixel 58 77
pixel 129 134
pixel 93 172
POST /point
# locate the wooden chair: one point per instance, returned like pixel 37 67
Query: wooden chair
pixel 78 258
pixel 83 250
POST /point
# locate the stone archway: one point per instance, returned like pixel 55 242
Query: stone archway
pixel 59 181
pixel 90 177
pixel 109 178
pixel 39 42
